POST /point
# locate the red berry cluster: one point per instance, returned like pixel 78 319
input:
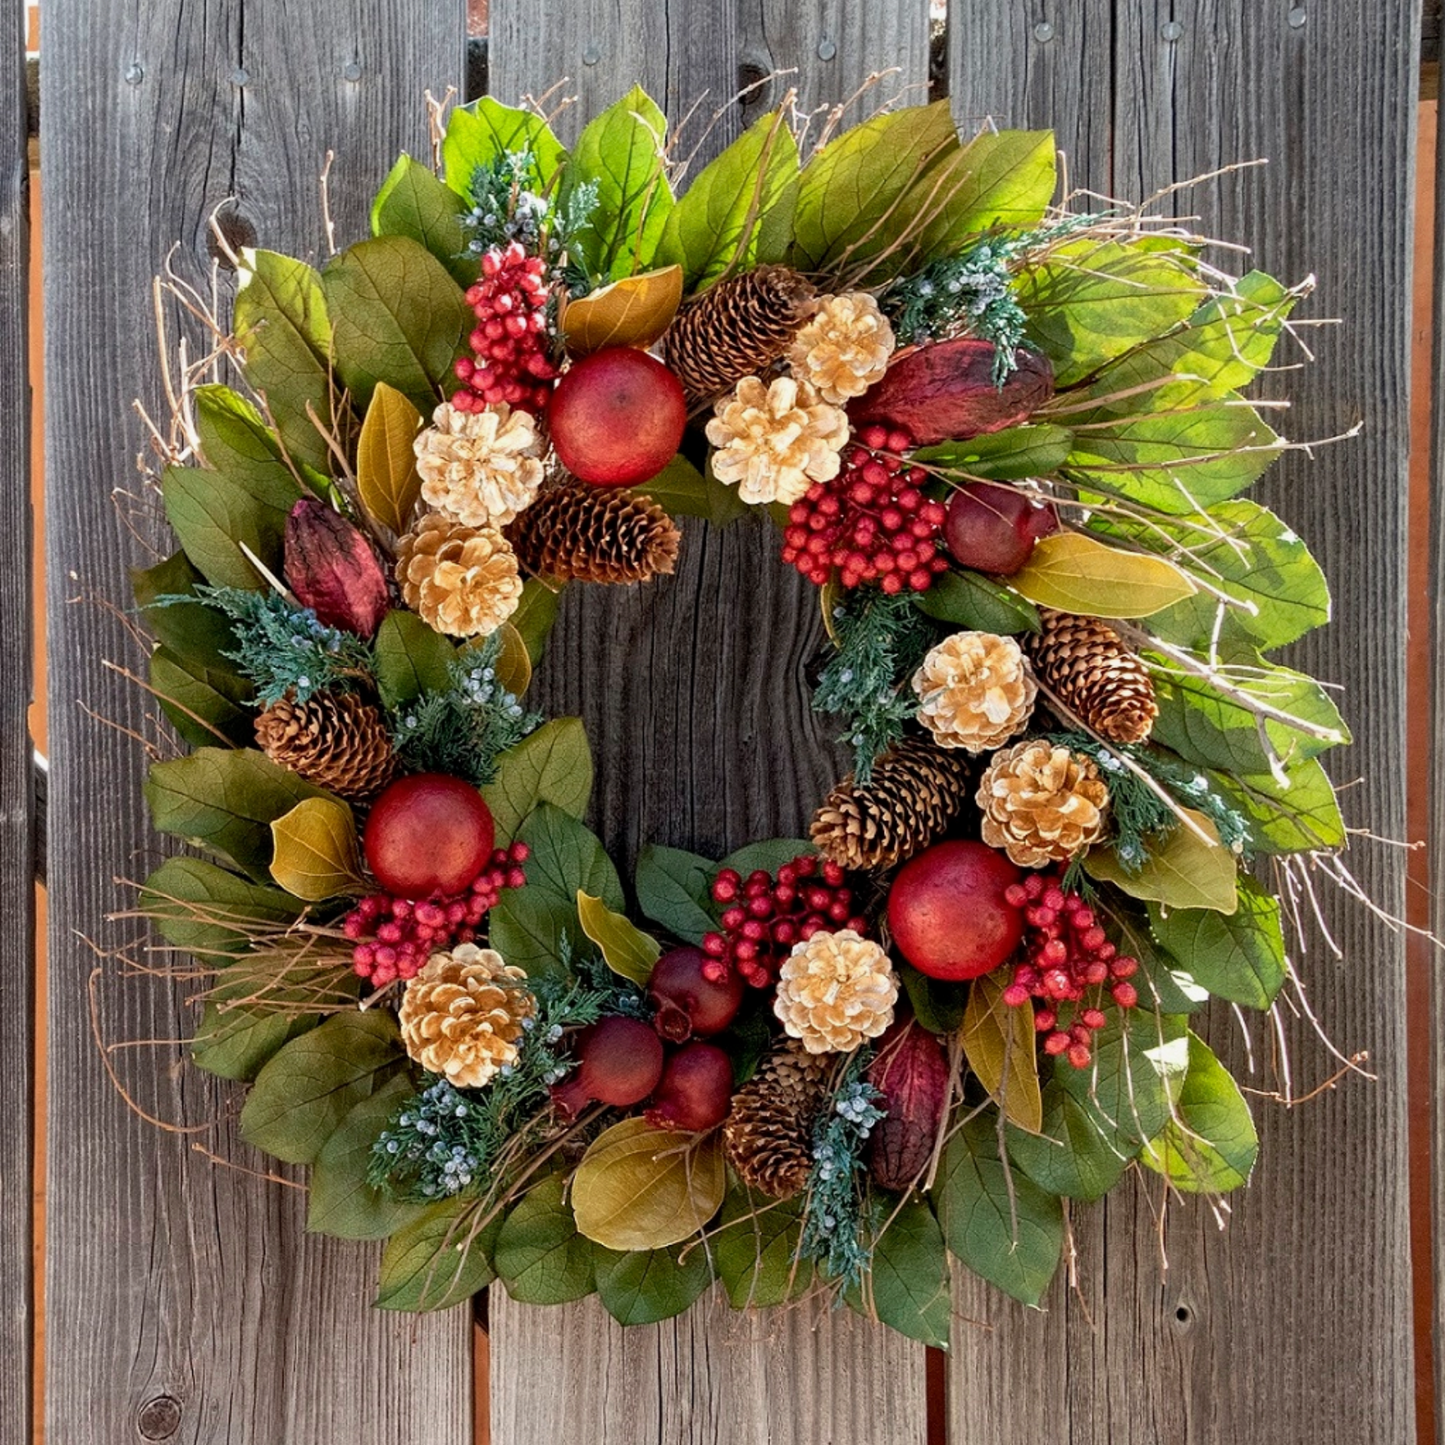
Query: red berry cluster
pixel 396 936
pixel 510 341
pixel 1066 954
pixel 764 917
pixel 871 522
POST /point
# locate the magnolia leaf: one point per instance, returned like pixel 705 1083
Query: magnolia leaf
pixel 638 1187
pixel 411 658
pixel 642 1288
pixel 439 1259
pixel 1183 869
pixel 755 1250
pixel 1209 1144
pixel 204 706
pixel 535 614
pixel 551 765
pixel 208 911
pixel 626 949
pixel 1238 956
pixel 386 474
pixel 633 311
pixel 482 133
pixel 978 603
pixel 999 1043
pixel 513 667
pixel 314 850
pixel 674 888
pixel 1067 1155
pixel 236 1042
pixel 909 1286
pixel 1077 573
pixel 539 1255
pixel 1128 1087
pixel 413 202
pixel 681 490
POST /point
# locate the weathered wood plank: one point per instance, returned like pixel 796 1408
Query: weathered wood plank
pixel 1241 1339
pixel 705 740
pixel 185 1302
pixel 17 883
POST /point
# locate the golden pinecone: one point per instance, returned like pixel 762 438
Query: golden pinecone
pixel 1041 804
pixel 576 532
pixel 834 991
pixel 975 691
pixel 479 467
pixel 1094 674
pixel 464 1014
pixel 737 328
pixel 844 347
pixel 459 580
pixel 916 791
pixel 774 440
pixel 768 1135
pixel 334 739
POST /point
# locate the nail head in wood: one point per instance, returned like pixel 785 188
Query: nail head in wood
pixel 1043 31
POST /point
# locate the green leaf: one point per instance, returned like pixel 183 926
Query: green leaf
pixel 620 151
pixel 208 911
pixel 644 1287
pixel 340 1202
pixel 1209 1146
pixel 909 1285
pixel 304 1093
pixel 540 1256
pixel 1077 573
pixel 683 491
pixel 734 204
pixel 1067 1155
pixel 674 889
pixel 1006 1230
pixel 535 614
pixel 999 1043
pixel 1164 984
pixel 1183 869
pixel 410 658
pixel 283 325
pixel 314 850
pixel 386 475
pixel 938 1005
pixel 551 765
pixel 1001 178
pixel 412 202
pixel 234 1043
pixel 438 1260
pixel 769 855
pixel 225 799
pixel 187 628
pixel 203 702
pixel 482 133
pixel 396 317
pixel 1238 956
pixel 971 600
pixel 1299 814
pixel 1003 456
pixel 755 1250
pixel 626 949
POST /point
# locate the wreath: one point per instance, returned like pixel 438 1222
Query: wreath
pixel 1005 440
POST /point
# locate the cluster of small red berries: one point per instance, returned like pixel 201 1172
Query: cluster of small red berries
pixel 871 523
pixel 763 918
pixel 1066 954
pixel 395 936
pixel 509 345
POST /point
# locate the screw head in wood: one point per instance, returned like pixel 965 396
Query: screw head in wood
pixel 134 73
pixel 826 49
pixel 1043 31
pixel 591 55
pixel 1297 17
pixel 1171 30
pixel 351 71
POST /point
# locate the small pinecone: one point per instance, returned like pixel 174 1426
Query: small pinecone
pixel 582 533
pixel 916 791
pixel 769 1133
pixel 1086 664
pixel 334 739
pixel 737 328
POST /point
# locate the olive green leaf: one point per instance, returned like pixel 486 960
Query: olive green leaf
pixel 209 911
pixel 643 1287
pixel 411 658
pixel 1078 573
pixel 1067 1155
pixel 1238 956
pixel 909 1286
pixel 535 614
pixel 1296 813
pixel 235 1042
pixel 1010 455
pixel 551 765
pixel 1002 178
pixel 540 1256
pixel 1183 869
pixel 971 600
pixel 314 850
pixel 437 1260
pixel 412 202
pixel 386 474
pixel 482 133
pixel 1209 1145
pixel 999 1044
pixel 626 949
pixel 674 890
pixel 683 491
pixel 755 1249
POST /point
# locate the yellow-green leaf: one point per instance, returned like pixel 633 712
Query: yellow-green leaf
pixel 1183 871
pixel 1075 573
pixel 643 1188
pixel 998 1042
pixel 626 949
pixel 315 853
pixel 386 473
pixel 634 311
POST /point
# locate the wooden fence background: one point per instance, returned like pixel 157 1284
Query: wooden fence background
pixel 185 1302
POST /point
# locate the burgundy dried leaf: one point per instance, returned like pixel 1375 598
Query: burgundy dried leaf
pixel 911 1072
pixel 332 569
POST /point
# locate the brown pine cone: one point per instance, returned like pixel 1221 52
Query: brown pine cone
pixel 768 1135
pixel 737 328
pixel 335 739
pixel 1085 663
pixel 916 791
pixel 581 533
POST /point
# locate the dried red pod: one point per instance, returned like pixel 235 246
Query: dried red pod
pixel 911 1072
pixel 947 392
pixel 332 569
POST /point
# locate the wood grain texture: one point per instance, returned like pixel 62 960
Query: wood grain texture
pixel 704 739
pixel 185 1302
pixel 1295 1324
pixel 17 811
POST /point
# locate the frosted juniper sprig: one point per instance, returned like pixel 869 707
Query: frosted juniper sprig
pixel 507 203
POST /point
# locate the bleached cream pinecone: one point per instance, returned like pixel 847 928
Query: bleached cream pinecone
pixel 1041 803
pixel 479 467
pixel 975 691
pixel 844 348
pixel 768 1135
pixel 463 581
pixel 834 991
pixel 774 440
pixel 464 1013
